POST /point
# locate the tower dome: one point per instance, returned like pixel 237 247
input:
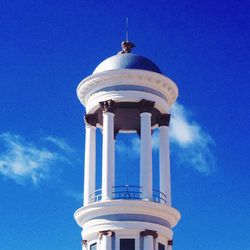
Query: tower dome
pixel 127 61
pixel 127 77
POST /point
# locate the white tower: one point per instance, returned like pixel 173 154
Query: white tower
pixel 127 93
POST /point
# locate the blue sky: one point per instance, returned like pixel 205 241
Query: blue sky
pixel 47 47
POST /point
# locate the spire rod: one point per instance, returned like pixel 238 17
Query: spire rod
pixel 126 28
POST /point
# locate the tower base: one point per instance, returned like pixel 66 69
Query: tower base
pixel 127 225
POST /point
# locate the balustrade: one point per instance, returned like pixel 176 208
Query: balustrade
pixel 128 192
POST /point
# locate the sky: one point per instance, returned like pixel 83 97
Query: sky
pixel 48 47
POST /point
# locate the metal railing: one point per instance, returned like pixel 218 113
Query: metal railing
pixel 159 197
pixel 95 196
pixel 127 192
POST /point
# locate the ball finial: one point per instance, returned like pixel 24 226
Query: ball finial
pixel 127 46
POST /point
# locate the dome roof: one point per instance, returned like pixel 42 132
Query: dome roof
pixel 127 61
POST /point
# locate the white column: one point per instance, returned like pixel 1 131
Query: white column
pixel 146 156
pixel 148 242
pixel 84 246
pixel 106 242
pixel 170 245
pixel 108 156
pixel 165 185
pixel 99 246
pixel 89 163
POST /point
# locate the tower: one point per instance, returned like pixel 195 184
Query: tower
pixel 127 93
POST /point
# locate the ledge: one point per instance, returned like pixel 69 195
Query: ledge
pixel 113 208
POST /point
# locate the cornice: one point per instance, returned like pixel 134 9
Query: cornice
pixel 93 83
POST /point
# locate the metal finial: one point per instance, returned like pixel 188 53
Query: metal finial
pixel 126 45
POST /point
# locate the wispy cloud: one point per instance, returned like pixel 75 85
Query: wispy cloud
pixel 21 160
pixel 59 142
pixel 191 145
pixel 130 148
pixel 184 132
pixel 78 196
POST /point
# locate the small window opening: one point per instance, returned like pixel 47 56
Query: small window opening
pixel 127 244
pixel 161 246
pixel 93 246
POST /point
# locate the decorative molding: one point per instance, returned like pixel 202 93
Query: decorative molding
pixel 95 82
pixel 148 232
pixel 126 96
pixel 170 243
pixel 91 119
pixel 146 106
pixel 84 243
pixel 164 120
pixel 108 233
pixel 107 106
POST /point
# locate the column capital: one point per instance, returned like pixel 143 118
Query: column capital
pixel 91 119
pixel 146 106
pixel 105 233
pixel 84 242
pixel 164 120
pixel 148 232
pixel 107 106
pixel 170 243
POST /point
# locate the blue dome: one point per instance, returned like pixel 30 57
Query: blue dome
pixel 127 61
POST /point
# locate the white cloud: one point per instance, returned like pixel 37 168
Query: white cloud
pixel 155 140
pixel 192 145
pixel 23 161
pixel 183 132
pixel 120 146
pixel 135 145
